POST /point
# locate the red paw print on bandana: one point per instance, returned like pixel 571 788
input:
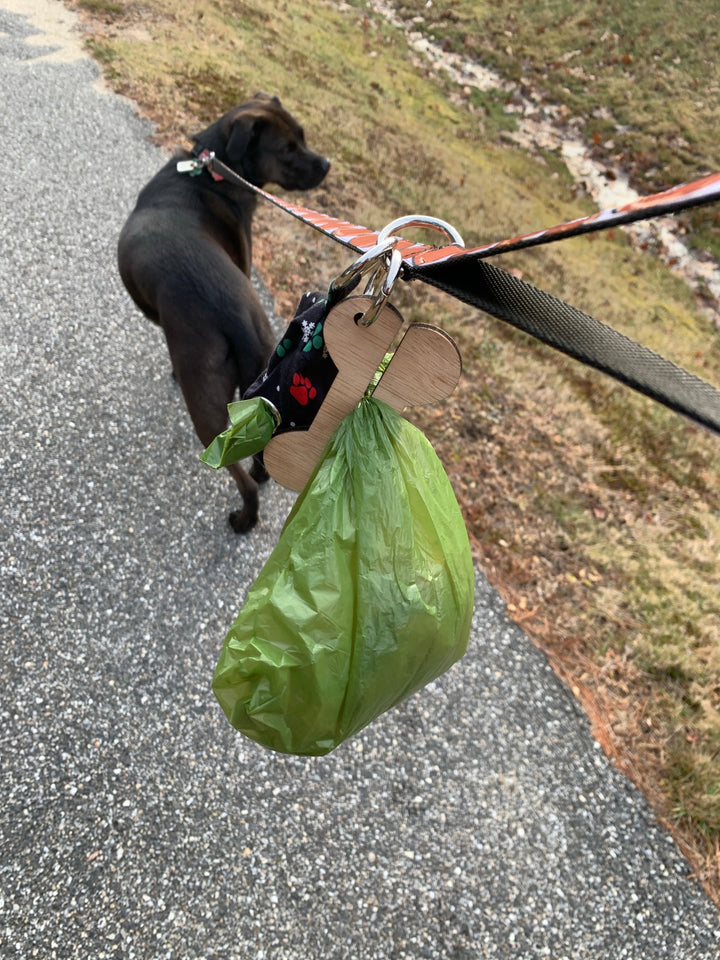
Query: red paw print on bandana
pixel 302 389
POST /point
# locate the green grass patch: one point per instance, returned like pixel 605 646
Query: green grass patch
pixel 644 77
pixel 102 7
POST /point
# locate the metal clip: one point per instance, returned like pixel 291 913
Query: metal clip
pixel 381 284
pixel 384 263
pixel 196 165
pixel 381 268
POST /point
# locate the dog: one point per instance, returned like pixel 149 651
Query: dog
pixel 185 254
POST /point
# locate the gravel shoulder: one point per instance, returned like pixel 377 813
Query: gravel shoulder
pixel 479 819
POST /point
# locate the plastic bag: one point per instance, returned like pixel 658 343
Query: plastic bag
pixel 252 423
pixel 287 395
pixel 367 596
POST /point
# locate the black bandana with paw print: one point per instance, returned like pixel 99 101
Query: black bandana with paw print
pixel 300 371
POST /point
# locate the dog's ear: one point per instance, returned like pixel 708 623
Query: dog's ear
pixel 261 95
pixel 245 127
pixel 231 135
pixel 216 136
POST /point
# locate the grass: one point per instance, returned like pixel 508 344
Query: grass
pixel 595 512
pixel 643 78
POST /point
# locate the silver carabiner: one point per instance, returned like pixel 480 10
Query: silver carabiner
pixel 384 269
pixel 431 223
pixel 350 277
pixel 387 274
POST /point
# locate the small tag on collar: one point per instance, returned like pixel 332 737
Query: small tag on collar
pixel 196 166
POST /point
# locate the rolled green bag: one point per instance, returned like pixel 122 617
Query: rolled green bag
pixel 367 596
pixel 251 425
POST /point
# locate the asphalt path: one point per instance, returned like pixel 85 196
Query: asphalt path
pixel 479 819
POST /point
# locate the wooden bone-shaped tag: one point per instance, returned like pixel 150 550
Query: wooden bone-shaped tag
pixel 425 368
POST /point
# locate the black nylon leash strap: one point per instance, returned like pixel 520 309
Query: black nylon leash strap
pixel 574 333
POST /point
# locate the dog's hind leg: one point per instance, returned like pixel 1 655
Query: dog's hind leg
pixel 208 377
pixel 243 520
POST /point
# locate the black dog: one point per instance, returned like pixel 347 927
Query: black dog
pixel 185 254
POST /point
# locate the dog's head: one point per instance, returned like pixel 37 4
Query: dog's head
pixel 261 141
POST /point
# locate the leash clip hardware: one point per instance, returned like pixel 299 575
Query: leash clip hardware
pixel 196 166
pixel 384 271
pixel 384 264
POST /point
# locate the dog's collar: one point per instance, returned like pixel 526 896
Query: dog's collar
pixel 205 158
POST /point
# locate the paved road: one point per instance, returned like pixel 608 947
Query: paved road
pixel 477 820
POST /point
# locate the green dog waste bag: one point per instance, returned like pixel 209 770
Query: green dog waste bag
pixel 367 596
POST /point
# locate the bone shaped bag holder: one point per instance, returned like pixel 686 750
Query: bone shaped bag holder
pixel 338 349
pixel 424 368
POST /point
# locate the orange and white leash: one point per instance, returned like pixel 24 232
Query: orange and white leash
pixel 465 274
